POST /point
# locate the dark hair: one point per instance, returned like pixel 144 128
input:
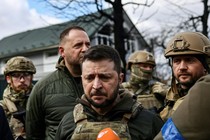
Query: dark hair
pixel 200 57
pixel 101 52
pixel 66 31
pixel 203 61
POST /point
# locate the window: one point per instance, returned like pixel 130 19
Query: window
pixel 105 39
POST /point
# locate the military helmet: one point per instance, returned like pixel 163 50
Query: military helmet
pixel 141 57
pixel 188 43
pixel 19 64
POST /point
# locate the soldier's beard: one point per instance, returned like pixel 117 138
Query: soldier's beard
pixel 187 84
pixel 21 89
pixel 107 102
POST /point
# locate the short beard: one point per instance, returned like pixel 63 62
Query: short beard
pixel 106 103
pixel 188 84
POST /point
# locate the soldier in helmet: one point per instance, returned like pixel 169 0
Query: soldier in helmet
pixel 191 120
pixel 150 93
pixel 188 54
pixel 18 72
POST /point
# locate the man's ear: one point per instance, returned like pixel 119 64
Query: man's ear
pixel 121 77
pixel 8 78
pixel 205 71
pixel 61 51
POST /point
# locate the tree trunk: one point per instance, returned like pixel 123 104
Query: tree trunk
pixel 119 31
pixel 205 17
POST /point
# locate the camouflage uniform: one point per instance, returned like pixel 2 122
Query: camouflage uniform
pixel 14 103
pixel 186 43
pixel 172 101
pixel 149 93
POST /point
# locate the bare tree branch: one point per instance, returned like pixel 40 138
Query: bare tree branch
pixel 140 4
pixel 100 10
pixel 66 5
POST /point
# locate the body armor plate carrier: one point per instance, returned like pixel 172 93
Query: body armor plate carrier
pixel 89 130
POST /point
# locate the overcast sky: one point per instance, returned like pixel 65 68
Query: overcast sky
pixel 17 16
pixel 22 15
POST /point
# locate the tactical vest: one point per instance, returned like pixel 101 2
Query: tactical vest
pixel 170 109
pixel 89 130
pixel 149 101
pixel 152 100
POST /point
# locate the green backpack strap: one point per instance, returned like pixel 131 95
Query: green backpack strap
pixel 127 116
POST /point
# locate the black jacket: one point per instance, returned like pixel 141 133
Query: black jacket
pixel 5 133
